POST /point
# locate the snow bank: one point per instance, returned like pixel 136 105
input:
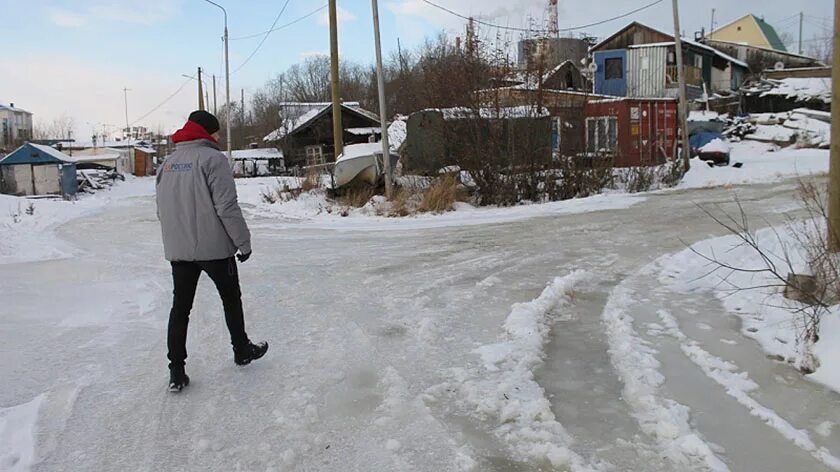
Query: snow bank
pixel 663 419
pixel 317 211
pixel 17 435
pixel 765 314
pixel 504 390
pixel 760 165
pixel 31 237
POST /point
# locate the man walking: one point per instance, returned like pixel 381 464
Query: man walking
pixel 203 229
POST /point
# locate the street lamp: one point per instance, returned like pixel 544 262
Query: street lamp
pixel 206 93
pixel 227 83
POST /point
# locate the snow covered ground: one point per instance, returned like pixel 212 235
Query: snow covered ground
pixel 27 226
pixel 762 163
pixel 766 315
pixel 531 338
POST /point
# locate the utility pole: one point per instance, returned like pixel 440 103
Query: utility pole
pixel 200 92
pixel 242 120
pixel 801 28
pixel 712 25
pixel 227 82
pixel 383 108
pixel 215 109
pixel 127 125
pixel 338 129
pixel 683 106
pixel 834 170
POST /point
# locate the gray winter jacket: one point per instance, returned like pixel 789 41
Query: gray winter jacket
pixel 197 205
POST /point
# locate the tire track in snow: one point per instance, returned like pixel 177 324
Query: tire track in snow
pixel 666 420
pixel 505 390
pixel 738 385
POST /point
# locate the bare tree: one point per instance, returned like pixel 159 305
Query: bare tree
pixel 60 127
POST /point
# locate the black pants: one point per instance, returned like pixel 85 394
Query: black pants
pixel 185 276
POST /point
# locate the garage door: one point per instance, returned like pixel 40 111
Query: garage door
pixel 46 180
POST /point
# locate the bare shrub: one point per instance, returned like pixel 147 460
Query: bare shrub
pixel 815 293
pixel 441 195
pixel 30 209
pixel 404 202
pixel 269 196
pixel 311 182
pixel 357 196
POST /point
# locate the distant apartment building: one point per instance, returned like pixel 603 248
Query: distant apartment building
pixel 15 127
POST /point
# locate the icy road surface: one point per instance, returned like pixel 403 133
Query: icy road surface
pixel 406 350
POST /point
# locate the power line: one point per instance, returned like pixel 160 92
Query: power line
pixel 168 99
pixel 527 30
pixel 308 15
pixel 267 34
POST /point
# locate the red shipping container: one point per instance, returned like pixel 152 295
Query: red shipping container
pixel 635 131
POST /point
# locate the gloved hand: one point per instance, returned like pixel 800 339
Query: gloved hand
pixel 243 257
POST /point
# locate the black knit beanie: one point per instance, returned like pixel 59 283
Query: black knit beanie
pixel 206 120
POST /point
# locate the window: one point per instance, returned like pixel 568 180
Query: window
pixel 314 155
pixel 601 134
pixel 614 68
pixel 698 61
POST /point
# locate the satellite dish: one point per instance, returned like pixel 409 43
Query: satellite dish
pixel 779 66
pixel 592 67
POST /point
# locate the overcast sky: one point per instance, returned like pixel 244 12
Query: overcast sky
pixel 74 57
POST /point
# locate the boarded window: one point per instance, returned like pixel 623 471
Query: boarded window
pixel 614 68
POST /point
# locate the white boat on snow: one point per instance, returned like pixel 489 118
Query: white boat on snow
pixel 362 163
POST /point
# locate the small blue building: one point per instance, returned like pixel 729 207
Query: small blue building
pixel 34 169
pixel 640 62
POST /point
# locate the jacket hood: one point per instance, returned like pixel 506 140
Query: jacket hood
pixel 192 131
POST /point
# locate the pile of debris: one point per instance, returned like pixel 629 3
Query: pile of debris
pixel 91 180
pixel 803 127
pixel 787 94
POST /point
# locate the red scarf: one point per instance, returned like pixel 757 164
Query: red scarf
pixel 192 131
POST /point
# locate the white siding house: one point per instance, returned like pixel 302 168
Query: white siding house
pixel 15 126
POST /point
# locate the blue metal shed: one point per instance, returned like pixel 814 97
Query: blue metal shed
pixel 611 75
pixel 33 169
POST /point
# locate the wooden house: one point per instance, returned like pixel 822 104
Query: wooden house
pixel 306 139
pixel 640 62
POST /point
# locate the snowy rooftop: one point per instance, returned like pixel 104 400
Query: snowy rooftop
pixel 315 110
pixel 53 152
pixel 799 89
pixel 461 113
pixel 363 131
pixel 262 153
pixel 9 107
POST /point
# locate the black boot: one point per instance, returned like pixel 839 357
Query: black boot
pixel 178 379
pixel 250 352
